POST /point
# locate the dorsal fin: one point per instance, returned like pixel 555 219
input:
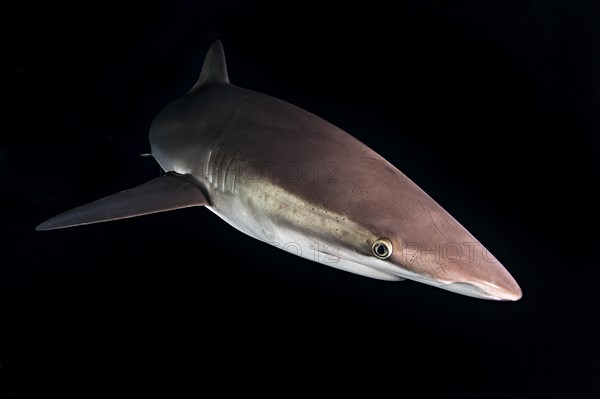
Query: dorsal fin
pixel 214 69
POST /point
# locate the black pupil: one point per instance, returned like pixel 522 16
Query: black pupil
pixel 381 250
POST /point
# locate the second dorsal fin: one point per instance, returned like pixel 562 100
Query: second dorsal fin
pixel 214 69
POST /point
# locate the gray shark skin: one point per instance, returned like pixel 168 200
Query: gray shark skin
pixel 291 179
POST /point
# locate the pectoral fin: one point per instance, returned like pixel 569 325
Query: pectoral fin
pixel 165 193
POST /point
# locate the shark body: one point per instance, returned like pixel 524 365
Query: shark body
pixel 291 179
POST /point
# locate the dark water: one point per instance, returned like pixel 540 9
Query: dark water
pixel 491 107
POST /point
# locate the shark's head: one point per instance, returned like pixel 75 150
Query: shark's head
pixel 416 239
pixel 437 251
pixel 388 232
pixel 374 221
pixel 441 253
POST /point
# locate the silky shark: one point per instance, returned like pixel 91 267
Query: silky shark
pixel 291 179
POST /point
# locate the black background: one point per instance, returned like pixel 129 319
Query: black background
pixel 490 106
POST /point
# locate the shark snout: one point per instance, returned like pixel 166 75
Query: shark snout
pixel 477 273
pixel 481 277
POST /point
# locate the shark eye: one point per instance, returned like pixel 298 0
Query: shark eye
pixel 382 248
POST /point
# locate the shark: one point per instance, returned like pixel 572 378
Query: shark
pixel 287 177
